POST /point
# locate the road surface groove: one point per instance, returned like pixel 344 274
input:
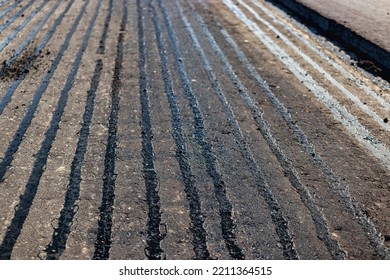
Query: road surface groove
pixel 26 199
pixel 60 234
pixel 300 135
pixel 9 8
pixel 299 34
pixel 186 130
pixel 227 223
pixel 151 182
pixel 197 227
pixel 20 74
pixel 15 16
pixel 315 65
pixel 276 213
pixel 103 242
pixel 24 23
pixel 349 121
pixel 319 220
pixel 34 104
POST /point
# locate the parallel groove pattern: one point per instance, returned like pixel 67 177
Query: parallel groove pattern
pixel 60 234
pixel 263 187
pixel 333 180
pixel 10 8
pixel 15 16
pixel 227 223
pixel 197 228
pixel 37 51
pixel 154 238
pixel 18 137
pixel 318 218
pixel 103 240
pixel 26 199
pixel 24 23
pixel 316 66
pixel 237 151
pixel 372 93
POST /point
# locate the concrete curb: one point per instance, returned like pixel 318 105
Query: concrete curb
pixel 352 40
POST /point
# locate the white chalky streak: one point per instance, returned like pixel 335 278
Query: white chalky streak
pixel 324 56
pixel 322 71
pixel 350 122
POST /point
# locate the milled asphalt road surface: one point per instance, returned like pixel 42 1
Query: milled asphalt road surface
pixel 185 129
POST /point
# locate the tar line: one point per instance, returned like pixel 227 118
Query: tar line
pixel 15 16
pixel 26 199
pixel 154 237
pixel 196 216
pixel 225 208
pixel 10 8
pixel 25 22
pixel 103 239
pixel 60 234
pixel 342 115
pixel 6 98
pixel 26 121
pixel 280 222
pixel 318 218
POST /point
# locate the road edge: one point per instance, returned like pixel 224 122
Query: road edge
pixel 363 47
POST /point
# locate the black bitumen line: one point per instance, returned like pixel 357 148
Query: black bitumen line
pixel 308 201
pixel 2 3
pixel 102 42
pixel 103 239
pixel 154 237
pixel 25 123
pixel 225 207
pixel 24 23
pixel 26 199
pixel 9 8
pixel 333 181
pixel 6 98
pixel 318 218
pixel 199 234
pixel 60 235
pixel 15 16
pixel 281 224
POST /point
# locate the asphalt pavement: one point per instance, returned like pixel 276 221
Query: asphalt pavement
pixel 191 129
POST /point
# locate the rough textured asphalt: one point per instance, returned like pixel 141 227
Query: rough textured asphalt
pixel 185 129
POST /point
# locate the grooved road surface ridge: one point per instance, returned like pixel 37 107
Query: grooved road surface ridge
pixel 186 129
